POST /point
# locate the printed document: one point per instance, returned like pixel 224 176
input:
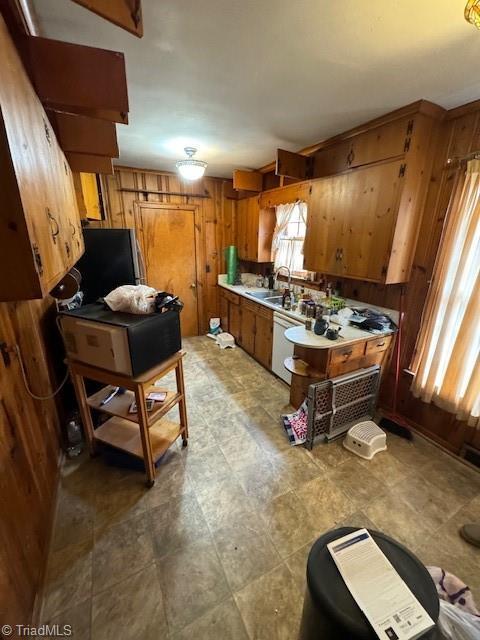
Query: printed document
pixel 382 595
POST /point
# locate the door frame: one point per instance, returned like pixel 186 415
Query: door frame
pixel 199 247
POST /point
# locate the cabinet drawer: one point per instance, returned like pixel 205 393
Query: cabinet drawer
pixel 251 306
pixel 231 297
pixel 347 353
pixel 378 345
pixel 265 312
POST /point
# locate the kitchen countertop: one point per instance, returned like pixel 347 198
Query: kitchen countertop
pixel 244 291
pixel 302 337
pixel 299 335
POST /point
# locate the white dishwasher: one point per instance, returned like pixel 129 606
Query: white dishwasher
pixel 282 348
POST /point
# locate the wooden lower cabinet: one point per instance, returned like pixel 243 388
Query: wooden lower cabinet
pixel 330 363
pixel 234 320
pixel 229 305
pixel 257 331
pixel 264 340
pixel 251 325
pixel 247 339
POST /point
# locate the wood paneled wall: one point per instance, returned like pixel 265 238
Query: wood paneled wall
pixel 29 456
pixel 216 227
pixel 459 135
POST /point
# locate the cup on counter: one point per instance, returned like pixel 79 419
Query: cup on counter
pixel 308 324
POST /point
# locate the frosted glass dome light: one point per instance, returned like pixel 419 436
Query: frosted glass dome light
pixel 189 168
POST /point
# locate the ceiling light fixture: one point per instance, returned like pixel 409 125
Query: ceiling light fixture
pixel 472 12
pixel 189 168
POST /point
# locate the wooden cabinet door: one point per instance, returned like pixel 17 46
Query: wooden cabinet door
pixel 248 329
pixel 374 197
pixel 234 320
pixel 351 220
pixel 71 237
pixel 253 229
pixel 333 159
pixel 242 223
pixel 387 141
pixel 266 227
pixel 248 228
pixel 263 340
pixel 223 306
pixel 36 239
pixel 327 211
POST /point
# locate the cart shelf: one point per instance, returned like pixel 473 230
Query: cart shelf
pixel 120 404
pixel 125 435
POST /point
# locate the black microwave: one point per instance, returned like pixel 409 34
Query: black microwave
pixel 121 342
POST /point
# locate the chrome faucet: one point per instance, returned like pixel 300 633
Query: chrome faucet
pixel 289 275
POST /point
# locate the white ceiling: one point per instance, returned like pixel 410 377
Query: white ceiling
pixel 239 78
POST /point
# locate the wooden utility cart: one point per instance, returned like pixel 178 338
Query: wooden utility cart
pixel 145 434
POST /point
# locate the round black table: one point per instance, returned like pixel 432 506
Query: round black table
pixel 329 610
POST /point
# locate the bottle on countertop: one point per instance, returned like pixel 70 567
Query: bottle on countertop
pixel 271 281
pixel 286 299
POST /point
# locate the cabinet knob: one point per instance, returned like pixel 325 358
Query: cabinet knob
pixel 193 285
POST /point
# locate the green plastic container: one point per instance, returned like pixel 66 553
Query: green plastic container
pixel 231 259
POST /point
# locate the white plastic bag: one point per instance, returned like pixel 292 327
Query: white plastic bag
pixel 132 298
pixel 456 624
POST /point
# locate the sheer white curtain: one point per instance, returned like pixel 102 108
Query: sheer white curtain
pixel 447 355
pixel 289 237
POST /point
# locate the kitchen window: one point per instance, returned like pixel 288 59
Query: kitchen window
pixel 289 237
pixel 447 356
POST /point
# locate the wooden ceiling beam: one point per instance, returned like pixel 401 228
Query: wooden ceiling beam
pixel 89 163
pixel 77 79
pixel 126 14
pixel 79 134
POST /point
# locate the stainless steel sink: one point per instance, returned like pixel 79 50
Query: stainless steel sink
pixel 276 300
pixel 261 295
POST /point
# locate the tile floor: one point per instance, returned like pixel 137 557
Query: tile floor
pixel 217 548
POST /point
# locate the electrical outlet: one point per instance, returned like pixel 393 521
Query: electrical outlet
pixel 5 351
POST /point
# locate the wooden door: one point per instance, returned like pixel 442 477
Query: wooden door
pixel 248 329
pixel 167 239
pixel 234 320
pixel 370 220
pixel 264 340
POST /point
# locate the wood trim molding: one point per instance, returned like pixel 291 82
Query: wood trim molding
pixel 462 110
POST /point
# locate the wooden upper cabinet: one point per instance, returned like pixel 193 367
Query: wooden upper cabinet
pixel 351 218
pixel 332 159
pixel 255 228
pixel 364 223
pixel 389 140
pixel 40 233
